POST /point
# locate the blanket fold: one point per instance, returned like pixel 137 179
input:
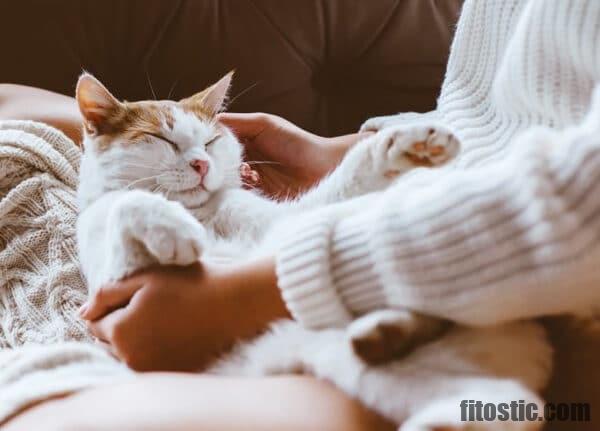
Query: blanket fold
pixel 45 350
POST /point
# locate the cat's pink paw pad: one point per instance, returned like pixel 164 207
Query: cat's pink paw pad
pixel 409 146
pixel 439 147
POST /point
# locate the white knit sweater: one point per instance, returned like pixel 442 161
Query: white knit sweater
pixel 511 229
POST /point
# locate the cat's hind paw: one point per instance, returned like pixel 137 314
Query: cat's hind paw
pixel 386 335
pixel 404 147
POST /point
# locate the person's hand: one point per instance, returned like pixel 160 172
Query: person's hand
pixel 180 318
pixel 288 159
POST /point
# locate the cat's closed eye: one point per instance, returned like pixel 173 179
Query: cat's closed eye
pixel 172 144
pixel 213 140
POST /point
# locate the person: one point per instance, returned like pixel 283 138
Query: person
pixel 507 232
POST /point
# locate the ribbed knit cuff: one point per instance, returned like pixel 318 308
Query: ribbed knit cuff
pixel 353 268
pixel 326 274
pixel 303 273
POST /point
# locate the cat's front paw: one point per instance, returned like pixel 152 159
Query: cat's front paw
pixel 401 148
pixel 386 335
pixel 176 244
pixel 169 234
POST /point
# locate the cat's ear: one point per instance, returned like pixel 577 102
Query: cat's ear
pixel 98 107
pixel 212 100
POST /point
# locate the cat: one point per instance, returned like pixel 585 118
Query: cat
pixel 160 183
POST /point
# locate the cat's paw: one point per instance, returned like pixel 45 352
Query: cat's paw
pixel 165 229
pixel 178 241
pixel 401 148
pixel 385 335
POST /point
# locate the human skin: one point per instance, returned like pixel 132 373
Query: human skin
pixel 18 102
pixel 187 402
pixel 181 401
pixel 180 318
pixel 297 161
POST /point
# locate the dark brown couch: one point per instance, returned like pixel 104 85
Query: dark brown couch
pixel 326 65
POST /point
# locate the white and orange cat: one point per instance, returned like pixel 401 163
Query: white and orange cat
pixel 160 184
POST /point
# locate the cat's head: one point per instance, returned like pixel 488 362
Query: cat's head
pixel 176 148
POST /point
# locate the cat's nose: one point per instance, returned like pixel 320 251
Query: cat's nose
pixel 200 166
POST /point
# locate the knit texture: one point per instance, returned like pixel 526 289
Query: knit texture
pixel 45 349
pixel 510 229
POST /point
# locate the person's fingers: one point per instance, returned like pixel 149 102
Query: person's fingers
pixel 111 296
pixel 103 328
pixel 245 126
pixel 107 347
pixel 250 177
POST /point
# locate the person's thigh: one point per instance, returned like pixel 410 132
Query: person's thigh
pixel 184 402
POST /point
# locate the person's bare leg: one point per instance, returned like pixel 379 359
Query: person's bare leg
pixel 186 402
pixel 18 102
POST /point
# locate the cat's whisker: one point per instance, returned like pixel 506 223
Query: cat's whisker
pixel 168 159
pixel 139 180
pixel 164 189
pixel 264 162
pixel 136 165
pixel 240 94
pixel 172 89
pixel 159 188
pixel 150 84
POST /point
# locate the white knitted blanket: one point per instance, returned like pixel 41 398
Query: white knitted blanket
pixel 44 349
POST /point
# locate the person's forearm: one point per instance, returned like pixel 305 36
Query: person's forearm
pixel 480 247
pixel 335 148
pixel 255 297
pixel 19 102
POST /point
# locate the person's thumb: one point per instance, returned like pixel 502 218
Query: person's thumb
pixel 110 297
pixel 245 126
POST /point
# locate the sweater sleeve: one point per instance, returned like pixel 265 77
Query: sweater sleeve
pixel 482 246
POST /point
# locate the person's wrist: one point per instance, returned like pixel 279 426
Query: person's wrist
pixel 336 147
pixel 254 296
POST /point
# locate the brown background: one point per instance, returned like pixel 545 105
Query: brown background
pixel 326 65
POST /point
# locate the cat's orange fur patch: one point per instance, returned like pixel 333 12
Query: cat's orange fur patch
pixel 132 120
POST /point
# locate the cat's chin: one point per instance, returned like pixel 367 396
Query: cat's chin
pixel 192 198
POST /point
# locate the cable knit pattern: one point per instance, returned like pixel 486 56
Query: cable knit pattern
pixel 45 349
pixel 510 229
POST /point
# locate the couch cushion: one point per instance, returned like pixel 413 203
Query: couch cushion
pixel 326 65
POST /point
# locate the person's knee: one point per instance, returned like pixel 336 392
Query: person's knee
pixel 319 405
